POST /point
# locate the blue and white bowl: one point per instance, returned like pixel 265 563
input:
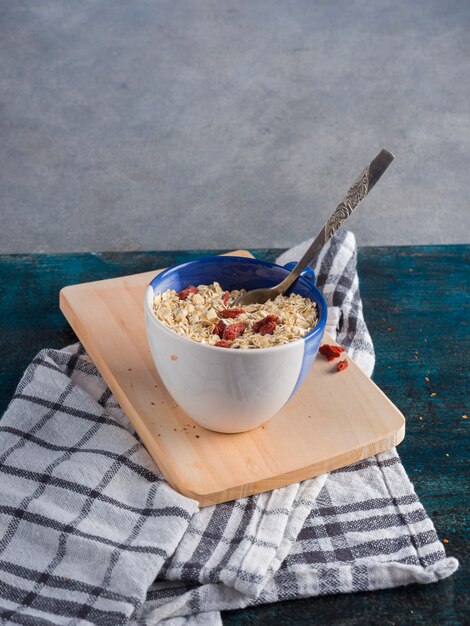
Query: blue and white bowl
pixel 228 390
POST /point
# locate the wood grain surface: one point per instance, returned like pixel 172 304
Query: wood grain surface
pixel 334 419
pixel 410 294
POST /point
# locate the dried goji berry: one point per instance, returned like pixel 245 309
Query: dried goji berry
pixel 184 293
pixel 234 330
pixel 219 329
pixel 231 312
pixel 225 297
pixel 223 344
pixel 342 365
pixel 265 320
pixel 268 328
pixel 331 352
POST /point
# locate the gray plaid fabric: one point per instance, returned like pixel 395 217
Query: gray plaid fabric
pixel 86 520
pixel 367 530
pixel 337 278
pixel 90 533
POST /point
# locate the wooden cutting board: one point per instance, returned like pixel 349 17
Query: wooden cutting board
pixel 335 419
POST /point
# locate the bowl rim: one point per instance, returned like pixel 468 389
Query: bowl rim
pixel 317 330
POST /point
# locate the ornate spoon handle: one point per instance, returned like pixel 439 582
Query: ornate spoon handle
pixel 355 195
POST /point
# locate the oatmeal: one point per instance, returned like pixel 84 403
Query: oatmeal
pixel 206 314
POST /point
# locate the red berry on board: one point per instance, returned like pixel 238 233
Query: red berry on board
pixel 331 352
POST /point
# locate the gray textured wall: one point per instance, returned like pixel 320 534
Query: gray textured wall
pixel 181 124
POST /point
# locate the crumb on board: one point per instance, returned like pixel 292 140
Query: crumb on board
pixel 445 541
pixel 426 379
pixel 434 393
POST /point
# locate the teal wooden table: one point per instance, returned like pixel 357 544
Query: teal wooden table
pixel 417 306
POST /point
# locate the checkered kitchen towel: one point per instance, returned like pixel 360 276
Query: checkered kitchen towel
pixel 90 533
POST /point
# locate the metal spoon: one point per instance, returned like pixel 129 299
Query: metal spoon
pixel 355 195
